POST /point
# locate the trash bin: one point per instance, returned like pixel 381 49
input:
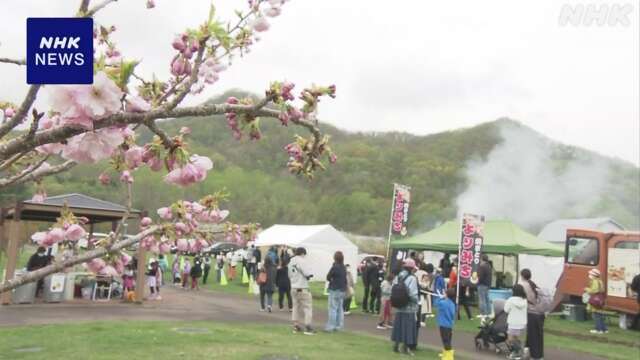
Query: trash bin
pixel 54 287
pixel 26 293
pixel 574 312
pixel 69 286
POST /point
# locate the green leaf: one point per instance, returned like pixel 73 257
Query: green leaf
pixel 212 13
pixel 126 69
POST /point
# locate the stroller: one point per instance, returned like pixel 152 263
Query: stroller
pixel 494 331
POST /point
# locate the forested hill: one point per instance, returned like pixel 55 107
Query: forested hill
pixel 355 194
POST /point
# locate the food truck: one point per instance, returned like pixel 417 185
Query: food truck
pixel 615 254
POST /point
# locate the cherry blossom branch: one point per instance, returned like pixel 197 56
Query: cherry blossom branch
pixel 75 260
pixel 15 120
pixel 13 61
pixel 33 173
pixel 98 7
pixel 5 165
pixel 59 134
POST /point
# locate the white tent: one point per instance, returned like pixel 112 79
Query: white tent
pixel 320 241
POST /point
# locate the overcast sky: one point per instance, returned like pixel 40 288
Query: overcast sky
pixel 415 66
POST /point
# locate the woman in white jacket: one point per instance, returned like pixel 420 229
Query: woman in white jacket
pixel 516 307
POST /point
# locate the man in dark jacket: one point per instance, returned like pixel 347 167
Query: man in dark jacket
pixel 376 276
pixel 366 282
pixel 484 284
pixel 37 261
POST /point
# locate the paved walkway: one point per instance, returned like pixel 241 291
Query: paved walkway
pixel 179 305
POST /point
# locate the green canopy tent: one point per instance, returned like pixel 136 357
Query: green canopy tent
pixel 500 237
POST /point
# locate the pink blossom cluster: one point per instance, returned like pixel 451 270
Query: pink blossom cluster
pixel 208 73
pixel 186 46
pixel 114 266
pixel 195 170
pixel 69 232
pixel 232 119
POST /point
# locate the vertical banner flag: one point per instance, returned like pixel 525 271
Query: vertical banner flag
pixel 398 222
pixel 470 248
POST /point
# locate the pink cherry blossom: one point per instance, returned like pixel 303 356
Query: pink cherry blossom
pixel 93 146
pixel 273 12
pixel 164 248
pixel 181 227
pixel 126 177
pixel 125 258
pixel 146 221
pixel 101 98
pixel 137 104
pixel 260 24
pixel 74 232
pixel 95 265
pixel 108 271
pixel 182 244
pixel 194 171
pixel 9 112
pixel 196 208
pixel 55 235
pixel 185 130
pixel 39 237
pixel 165 213
pixel 179 43
pixel 151 4
pixel 133 156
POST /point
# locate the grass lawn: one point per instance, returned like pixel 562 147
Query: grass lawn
pixel 560 333
pixel 160 340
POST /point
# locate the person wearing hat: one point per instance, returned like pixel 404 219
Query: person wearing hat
pixel 596 288
pixel 300 274
pixel 404 323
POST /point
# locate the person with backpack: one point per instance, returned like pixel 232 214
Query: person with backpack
pixel 300 274
pixel 404 298
pixel 337 278
pixel 535 315
pixel 596 293
pixel 267 282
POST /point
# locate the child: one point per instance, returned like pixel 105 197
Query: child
pixel 176 273
pixel 127 281
pixel 152 281
pixel 159 279
pixel 186 273
pixel 385 316
pixel 446 318
pixel 516 307
pixel 196 273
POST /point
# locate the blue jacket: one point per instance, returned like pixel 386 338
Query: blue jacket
pixel 439 286
pixel 446 312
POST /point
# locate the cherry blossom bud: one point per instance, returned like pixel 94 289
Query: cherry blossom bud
pixel 74 232
pixel 146 221
pixel 273 12
pixel 126 177
pixel 9 112
pixel 333 158
pixel 151 4
pixel 178 43
pixel 232 100
pixel 165 213
pixel 260 24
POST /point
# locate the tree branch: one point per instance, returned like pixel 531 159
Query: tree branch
pixel 34 174
pixel 13 61
pixel 75 260
pixel 98 7
pixel 22 111
pixel 5 165
pixel 60 134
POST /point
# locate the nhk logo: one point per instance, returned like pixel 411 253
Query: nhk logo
pixel 59 51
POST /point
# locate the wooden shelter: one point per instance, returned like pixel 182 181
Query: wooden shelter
pixel 97 211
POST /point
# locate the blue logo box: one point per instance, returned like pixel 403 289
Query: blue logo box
pixel 59 50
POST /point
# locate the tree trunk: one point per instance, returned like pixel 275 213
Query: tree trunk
pixel 36 275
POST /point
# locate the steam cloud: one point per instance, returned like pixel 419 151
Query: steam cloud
pixel 524 181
